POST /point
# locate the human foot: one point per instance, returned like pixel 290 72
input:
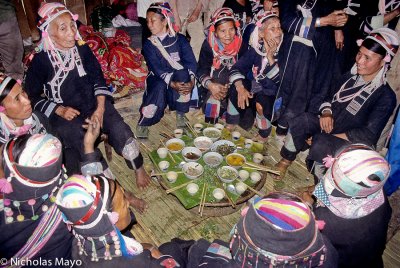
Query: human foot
pixel 282 167
pixel 137 203
pixel 142 178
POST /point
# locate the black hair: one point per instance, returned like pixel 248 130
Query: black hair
pixel 7 89
pixel 157 11
pixel 374 47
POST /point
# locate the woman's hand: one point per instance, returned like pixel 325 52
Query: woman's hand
pixel 218 91
pixel 66 112
pixel 326 122
pixel 92 133
pixel 339 39
pixel 181 87
pixel 99 114
pixel 243 96
pixel 271 47
pixel 337 18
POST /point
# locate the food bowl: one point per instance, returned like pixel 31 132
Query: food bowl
pixel 255 176
pixel 218 194
pixel 227 174
pixel 240 187
pixel 191 154
pixel 219 126
pixel 213 159
pixel 162 152
pixel 203 143
pixel 248 143
pixel 175 145
pixel 192 170
pixel 235 160
pixel 172 176
pixel 198 127
pixel 236 135
pixel 213 133
pixel 223 147
pixel 192 188
pixel 258 158
pixel 163 165
pixel 243 175
pixel 178 133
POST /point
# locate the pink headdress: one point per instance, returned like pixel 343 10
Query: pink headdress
pixel 254 38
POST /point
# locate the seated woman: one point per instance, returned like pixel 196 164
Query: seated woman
pixel 218 54
pixel 278 230
pixel 262 63
pixel 356 112
pixel 65 82
pixel 354 207
pixel 96 210
pixel 172 66
pixel 31 172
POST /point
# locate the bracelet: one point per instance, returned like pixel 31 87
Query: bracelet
pixel 318 22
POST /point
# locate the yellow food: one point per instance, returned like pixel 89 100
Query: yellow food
pixel 174 146
pixel 235 160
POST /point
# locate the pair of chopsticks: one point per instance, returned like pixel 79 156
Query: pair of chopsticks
pixel 191 129
pixel 169 153
pixel 177 187
pixel 226 194
pixel 203 199
pixel 260 168
pixel 164 173
pixel 252 189
pixel 165 135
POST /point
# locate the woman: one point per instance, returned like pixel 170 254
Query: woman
pixel 261 60
pixel 16 117
pixel 66 83
pixel 355 112
pixel 351 202
pixel 278 230
pixel 96 210
pixel 218 54
pixel 309 56
pixel 172 68
pixel 29 221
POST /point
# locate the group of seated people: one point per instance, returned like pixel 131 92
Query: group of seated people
pixel 44 215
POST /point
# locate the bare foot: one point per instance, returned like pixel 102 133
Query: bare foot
pixel 142 178
pixel 138 204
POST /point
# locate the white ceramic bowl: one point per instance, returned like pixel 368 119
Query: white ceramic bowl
pixel 248 143
pixel 258 158
pixel 162 152
pixel 235 160
pixel 163 165
pixel 213 159
pixel 213 133
pixel 255 176
pixel 191 154
pixel 240 187
pixel 203 143
pixel 227 174
pixel 218 194
pixel 178 133
pixel 243 175
pixel 192 170
pixel 172 176
pixel 219 126
pixel 216 147
pixel 198 127
pixel 175 145
pixel 236 135
pixel 192 188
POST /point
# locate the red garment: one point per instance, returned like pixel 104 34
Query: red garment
pixel 230 50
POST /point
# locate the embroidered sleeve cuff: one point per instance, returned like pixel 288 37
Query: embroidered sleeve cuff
pixel 102 91
pixel 325 106
pixel 235 76
pixel 136 163
pixel 305 28
pixel 205 80
pixel 91 164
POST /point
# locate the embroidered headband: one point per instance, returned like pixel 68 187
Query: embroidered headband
pixel 6 84
pixel 166 11
pixel 223 13
pixel 387 38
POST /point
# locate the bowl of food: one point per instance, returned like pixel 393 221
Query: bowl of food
pixel 163 165
pixel 227 174
pixel 219 126
pixel 243 175
pixel 218 194
pixel 192 170
pixel 175 145
pixel 255 176
pixel 213 133
pixel 223 147
pixel 178 133
pixel 235 160
pixel 203 143
pixel 191 154
pixel 240 187
pixel 172 176
pixel 198 127
pixel 192 188
pixel 213 159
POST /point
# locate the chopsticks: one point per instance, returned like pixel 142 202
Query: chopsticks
pixel 165 135
pixel 226 194
pixel 165 173
pixel 252 189
pixel 169 153
pixel 191 129
pixel 177 187
pixel 203 198
pixel 260 168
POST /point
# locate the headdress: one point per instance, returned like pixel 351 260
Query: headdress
pixel 85 204
pixel 33 178
pixel 357 173
pixel 229 52
pixel 277 231
pixel 48 12
pixel 166 11
pixel 254 38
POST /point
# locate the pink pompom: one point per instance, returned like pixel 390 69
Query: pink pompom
pixel 45 34
pixel 5 186
pixel 321 225
pixel 258 24
pixel 114 217
pixel 31 202
pixel 2 109
pixel 244 211
pixel 359 42
pixel 387 58
pixel 75 17
pixel 328 161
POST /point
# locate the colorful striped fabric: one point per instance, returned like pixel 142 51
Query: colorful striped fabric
pixel 41 150
pixel 283 214
pixel 77 192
